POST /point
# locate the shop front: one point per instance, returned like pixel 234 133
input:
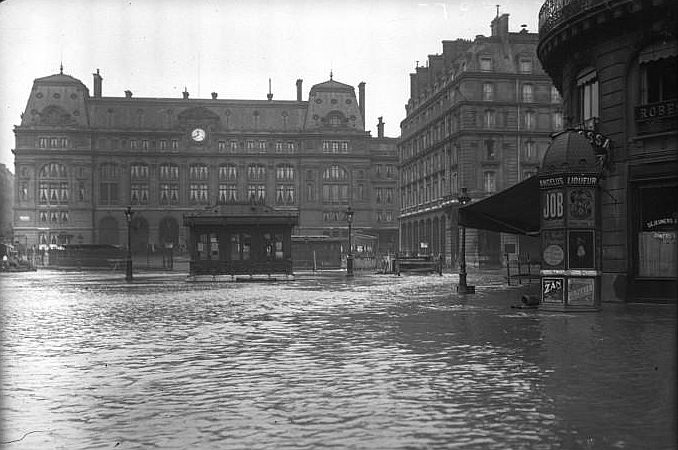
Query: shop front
pixel 654 248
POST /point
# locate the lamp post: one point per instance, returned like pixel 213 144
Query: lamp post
pixel 462 287
pixel 128 272
pixel 349 255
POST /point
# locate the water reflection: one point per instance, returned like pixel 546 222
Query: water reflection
pixel 373 363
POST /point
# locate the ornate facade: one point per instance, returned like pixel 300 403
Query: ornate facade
pixel 614 61
pixel 81 159
pixel 479 116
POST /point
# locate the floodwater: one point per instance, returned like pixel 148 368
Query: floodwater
pixel 377 362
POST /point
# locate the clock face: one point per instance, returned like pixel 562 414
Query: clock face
pixel 198 135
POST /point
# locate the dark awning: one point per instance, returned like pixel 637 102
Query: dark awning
pixel 514 210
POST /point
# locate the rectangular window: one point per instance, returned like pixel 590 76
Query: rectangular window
pixel 555 96
pixel 529 120
pixel 587 85
pixel 489 150
pixel 530 150
pixel 235 247
pixel 175 144
pixel 251 147
pixel 145 144
pixel 162 144
pixel 222 146
pixel 485 64
pixel 489 119
pixel 310 192
pixel 233 146
pixel 489 182
pixel 557 121
pixel 164 194
pixel 261 146
pixel 659 80
pixel 525 65
pixel 23 191
pixel 528 96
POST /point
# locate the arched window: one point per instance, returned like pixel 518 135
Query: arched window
pixel 335 173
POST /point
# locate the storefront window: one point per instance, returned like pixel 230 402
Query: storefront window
pixel 657 254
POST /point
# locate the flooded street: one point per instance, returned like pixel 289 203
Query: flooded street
pixel 373 363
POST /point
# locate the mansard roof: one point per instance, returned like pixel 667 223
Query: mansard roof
pixel 58 78
pixel 333 86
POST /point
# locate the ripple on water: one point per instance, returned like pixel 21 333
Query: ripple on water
pixel 371 363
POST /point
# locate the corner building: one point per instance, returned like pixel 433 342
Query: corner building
pixel 614 61
pixel 479 117
pixel 81 159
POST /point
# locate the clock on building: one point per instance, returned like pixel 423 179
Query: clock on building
pixel 198 135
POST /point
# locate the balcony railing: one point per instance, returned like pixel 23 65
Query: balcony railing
pixel 553 12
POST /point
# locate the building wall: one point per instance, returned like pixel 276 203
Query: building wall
pixel 82 159
pixel 6 202
pixel 639 156
pixel 459 133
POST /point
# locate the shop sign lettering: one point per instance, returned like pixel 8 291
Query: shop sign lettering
pixel 552 290
pixel 581 291
pixel 553 205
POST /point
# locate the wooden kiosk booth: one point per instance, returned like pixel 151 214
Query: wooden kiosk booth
pixel 243 241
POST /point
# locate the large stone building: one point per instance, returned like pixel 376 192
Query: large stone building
pixel 6 202
pixel 479 117
pixel 81 159
pixel 614 61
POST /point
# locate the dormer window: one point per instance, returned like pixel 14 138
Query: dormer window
pixel 485 64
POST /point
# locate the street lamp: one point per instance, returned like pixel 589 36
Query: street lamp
pixel 128 215
pixel 462 287
pixel 349 255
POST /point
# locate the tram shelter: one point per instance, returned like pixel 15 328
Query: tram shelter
pixel 241 241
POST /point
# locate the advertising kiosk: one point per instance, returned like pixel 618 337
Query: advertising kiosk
pixel 571 222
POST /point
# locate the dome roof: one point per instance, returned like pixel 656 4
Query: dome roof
pixel 569 151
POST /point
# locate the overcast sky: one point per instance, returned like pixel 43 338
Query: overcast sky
pixel 154 48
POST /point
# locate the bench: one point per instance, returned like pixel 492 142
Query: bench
pixel 522 268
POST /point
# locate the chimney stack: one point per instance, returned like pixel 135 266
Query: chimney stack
pixel 500 26
pixel 380 127
pixel 299 81
pixel 269 96
pixel 128 94
pixel 97 84
pixel 361 99
pixel 185 93
pixel 214 95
